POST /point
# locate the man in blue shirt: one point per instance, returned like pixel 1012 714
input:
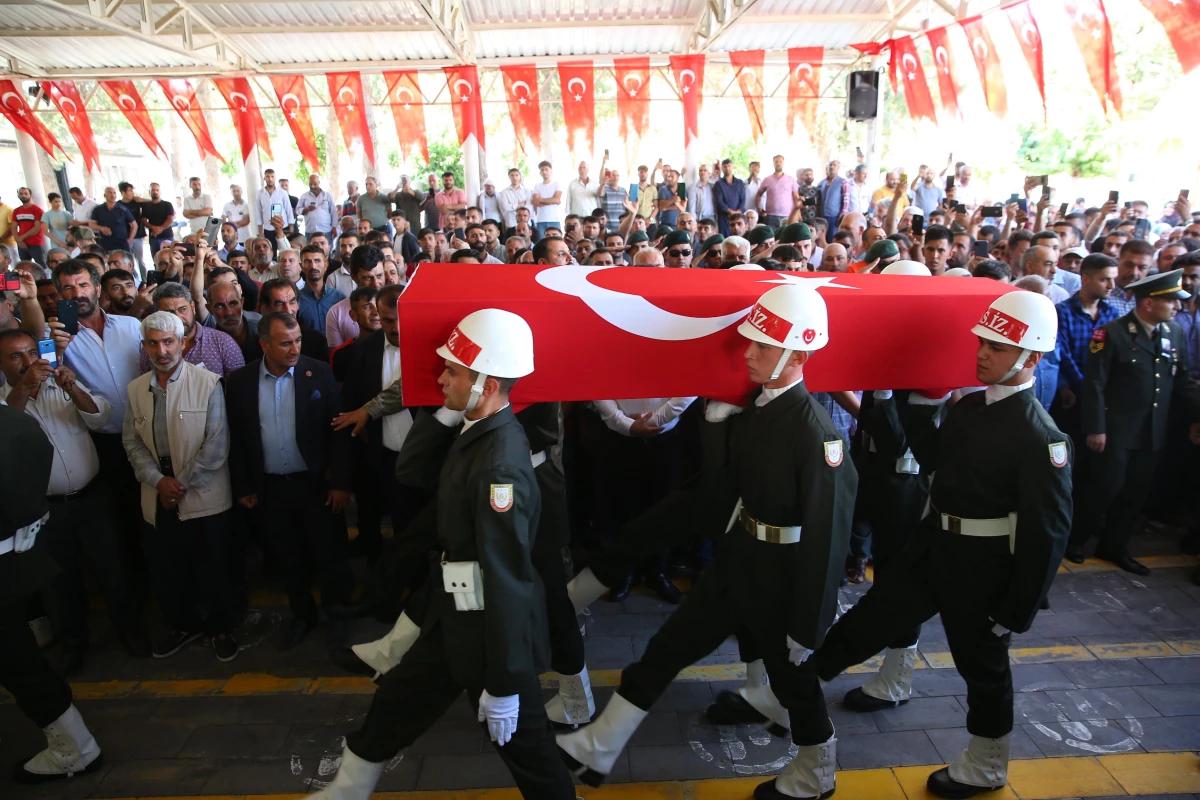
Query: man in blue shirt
pixel 835 199
pixel 113 222
pixel 1189 316
pixel 669 201
pixel 315 298
pixel 729 195
pixel 1078 318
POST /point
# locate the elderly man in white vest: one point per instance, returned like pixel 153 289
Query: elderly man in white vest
pixel 177 439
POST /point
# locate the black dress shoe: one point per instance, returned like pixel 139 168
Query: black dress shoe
pixel 941 784
pixel 858 700
pixel 1074 554
pixel 667 591
pixel 297 630
pixel 767 791
pixel 1125 562
pixel 348 660
pixel 619 592
pixel 733 709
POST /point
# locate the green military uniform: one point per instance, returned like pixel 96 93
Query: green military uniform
pixel 1133 371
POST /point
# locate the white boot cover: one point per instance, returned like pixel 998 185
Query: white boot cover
pixel 355 779
pixel 573 705
pixel 70 747
pixel 597 745
pixel 983 763
pixel 385 653
pixel 585 589
pixel 811 772
pixel 894 679
pixel 757 692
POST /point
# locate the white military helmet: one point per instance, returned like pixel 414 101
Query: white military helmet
pixel 957 272
pixel 491 342
pixel 746 267
pixel 791 316
pixel 1025 319
pixel 906 268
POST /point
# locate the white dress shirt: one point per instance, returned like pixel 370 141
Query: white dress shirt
pixel 860 197
pixel 76 463
pixel 510 200
pixel 395 426
pixel 619 415
pixel 340 279
pixel 770 394
pixel 489 206
pixel 320 218
pixel 266 199
pixel 235 213
pixel 582 198
pixel 83 211
pixel 994 392
pixel 108 366
pixel 191 203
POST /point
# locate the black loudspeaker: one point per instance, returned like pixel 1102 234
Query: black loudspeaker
pixel 862 95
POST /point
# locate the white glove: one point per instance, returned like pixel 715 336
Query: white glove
pixel 449 418
pixel 999 630
pixel 797 653
pixel 716 411
pixel 500 714
pixel 883 394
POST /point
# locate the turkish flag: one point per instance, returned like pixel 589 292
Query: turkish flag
pixel 916 91
pixel 604 332
pixel 1093 34
pixel 1029 36
pixel 1181 20
pixel 126 97
pixel 182 97
pixel 943 64
pixel 292 92
pixel 633 95
pixel 748 66
pixel 987 61
pixel 408 111
pixel 349 102
pixel 463 83
pixel 689 80
pixel 17 111
pixel 65 96
pixel 524 106
pixel 804 87
pixel 577 82
pixel 247 118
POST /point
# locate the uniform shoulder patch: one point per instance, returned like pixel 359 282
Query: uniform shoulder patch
pixel 833 453
pixel 501 497
pixel 1058 454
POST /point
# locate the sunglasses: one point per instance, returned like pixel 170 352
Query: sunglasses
pixel 679 253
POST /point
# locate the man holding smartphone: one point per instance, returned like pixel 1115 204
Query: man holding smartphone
pixel 273 201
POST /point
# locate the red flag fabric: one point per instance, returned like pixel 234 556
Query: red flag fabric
pixel 987 61
pixel 292 92
pixel 65 96
pixel 125 95
pixel 749 67
pixel 906 62
pixel 689 80
pixel 1093 34
pixel 1181 20
pixel 247 118
pixel 625 322
pixel 349 101
pixel 1029 36
pixel 182 97
pixel 577 81
pixel 524 105
pixel 943 65
pixel 17 111
pixel 633 95
pixel 408 111
pixel 804 87
pixel 463 83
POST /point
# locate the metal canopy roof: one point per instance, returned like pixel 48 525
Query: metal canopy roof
pixel 156 38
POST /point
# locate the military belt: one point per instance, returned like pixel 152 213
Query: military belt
pixel 769 533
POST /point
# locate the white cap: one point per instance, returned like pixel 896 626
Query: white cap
pixel 957 272
pixel 491 342
pixel 1082 252
pixel 905 268
pixel 1025 319
pixel 790 316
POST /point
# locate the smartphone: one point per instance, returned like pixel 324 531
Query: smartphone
pixel 1045 192
pixel 992 211
pixel 980 248
pixel 949 182
pixel 12 281
pixel 1013 198
pixel 1062 210
pixel 1141 228
pixel 1045 179
pixel 1184 193
pixel 904 179
pixel 212 229
pixel 276 210
pixel 1023 204
pixel 606 151
pixel 1113 197
pixel 960 208
pixel 68 315
pixel 46 351
pixel 918 224
pixel 570 227
pixel 155 277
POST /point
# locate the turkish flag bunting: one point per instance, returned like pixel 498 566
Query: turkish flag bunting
pixel 292 92
pixel 521 92
pixel 689 80
pixel 943 64
pixel 125 95
pixel 65 96
pixel 463 83
pixel 14 107
pixel 247 118
pixel 1029 36
pixel 625 322
pixel 987 61
pixel 905 60
pixel 804 87
pixel 1181 20
pixel 577 81
pixel 182 97
pixel 633 95
pixel 349 103
pixel 749 67
pixel 408 111
pixel 1093 34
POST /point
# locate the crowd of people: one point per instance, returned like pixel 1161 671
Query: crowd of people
pixel 213 385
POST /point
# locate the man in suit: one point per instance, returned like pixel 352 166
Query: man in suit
pixel 287 460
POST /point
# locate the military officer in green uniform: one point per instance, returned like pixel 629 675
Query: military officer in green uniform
pixel 774 577
pixel 1135 366
pixel 479 629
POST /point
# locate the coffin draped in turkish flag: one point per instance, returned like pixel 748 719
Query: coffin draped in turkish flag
pixel 631 332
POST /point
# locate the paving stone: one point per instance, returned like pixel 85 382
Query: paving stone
pixel 1105 673
pixel 626 625
pixel 658 728
pixel 77 787
pixel 921 713
pixel 235 741
pixel 308 740
pixel 1174 670
pixel 198 710
pixel 143 740
pixel 1073 624
pixel 685 696
pixel 1116 703
pixel 457 737
pixel 1094 737
pixel 1156 619
pixel 156 778
pixel 851 722
pixel 1039 678
pixel 1167 576
pixel 1178 700
pixel 255 776
pixel 401 773
pixel 937 683
pixel 644 603
pixel 893 749
pixel 695 727
pixel 1137 599
pixel 952 741
pixel 1077 602
pixel 1166 733
pixel 290 708
pixel 698 760
pixel 101 714
pixel 1036 707
pixel 608 652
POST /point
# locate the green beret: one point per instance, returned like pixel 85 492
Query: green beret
pixel 884 248
pixel 759 234
pixel 676 238
pixel 635 237
pixel 712 241
pixel 792 233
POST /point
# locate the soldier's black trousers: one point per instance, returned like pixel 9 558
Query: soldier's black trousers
pixel 1121 481
pixel 698 627
pixel 887 542
pixel 413 695
pixel 24 671
pixel 911 595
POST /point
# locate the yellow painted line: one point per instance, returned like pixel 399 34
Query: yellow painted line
pixel 1132 650
pixel 1185 647
pixel 1132 774
pixel 358 685
pixel 252 683
pixel 1153 562
pixel 185 688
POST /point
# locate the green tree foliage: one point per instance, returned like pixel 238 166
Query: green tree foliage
pixel 301 167
pixel 445 155
pixel 1082 153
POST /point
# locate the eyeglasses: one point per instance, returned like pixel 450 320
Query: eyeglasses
pixel 678 253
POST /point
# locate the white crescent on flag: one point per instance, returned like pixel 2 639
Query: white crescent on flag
pixel 637 88
pixel 342 91
pixel 980 48
pixel 182 103
pixel 14 106
pixel 401 91
pixel 803 68
pixel 467 92
pixel 942 59
pixel 904 59
pixel 121 98
pixel 1030 35
pixel 66 101
pixel 246 101
pixel 582 87
pixel 522 84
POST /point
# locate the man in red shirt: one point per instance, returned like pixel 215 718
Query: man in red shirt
pixel 27 218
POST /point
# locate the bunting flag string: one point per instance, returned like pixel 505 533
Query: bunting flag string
pixel 804 88
pixel 905 62
pixel 1181 20
pixel 182 96
pixel 463 83
pixel 65 97
pixel 987 61
pixel 633 95
pixel 943 65
pixel 292 92
pixel 408 112
pixel 17 111
pixel 1029 37
pixel 749 67
pixel 1093 34
pixel 349 104
pixel 125 95
pixel 689 80
pixel 577 81
pixel 524 106
pixel 247 118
